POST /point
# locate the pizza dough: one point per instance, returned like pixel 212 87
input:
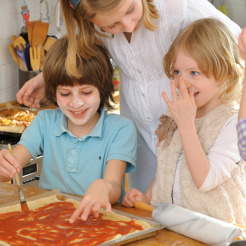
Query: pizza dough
pixel 16 119
pixel 48 220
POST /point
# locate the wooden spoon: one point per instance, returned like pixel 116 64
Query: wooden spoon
pixel 30 30
pixel 39 33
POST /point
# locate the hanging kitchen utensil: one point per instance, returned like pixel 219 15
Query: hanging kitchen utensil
pixel 12 51
pixel 48 43
pixel 18 41
pixel 35 58
pixel 44 11
pixel 25 15
pixel 39 34
pixel 20 51
pixel 30 31
pixel 27 57
pixel 192 224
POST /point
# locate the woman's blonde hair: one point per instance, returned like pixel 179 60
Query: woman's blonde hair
pixel 211 44
pixel 81 30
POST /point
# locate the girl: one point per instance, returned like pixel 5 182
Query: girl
pixel 199 166
pixel 137 34
pixel 85 150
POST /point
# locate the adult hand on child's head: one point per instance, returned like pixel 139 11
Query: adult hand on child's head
pixel 31 92
pixel 242 43
pixel 8 166
pixel 133 195
pixel 96 197
pixel 182 106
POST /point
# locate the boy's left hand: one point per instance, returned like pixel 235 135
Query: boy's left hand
pixel 96 197
pixel 182 106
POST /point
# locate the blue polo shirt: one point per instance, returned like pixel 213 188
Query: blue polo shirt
pixel 71 164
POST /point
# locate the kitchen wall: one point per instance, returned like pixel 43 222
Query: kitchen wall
pixel 235 8
pixel 11 23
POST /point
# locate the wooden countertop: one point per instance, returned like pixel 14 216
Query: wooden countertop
pixel 9 193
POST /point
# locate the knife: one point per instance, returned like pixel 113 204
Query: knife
pixel 192 224
pixel 24 207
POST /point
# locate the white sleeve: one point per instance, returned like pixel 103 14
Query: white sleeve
pixel 223 156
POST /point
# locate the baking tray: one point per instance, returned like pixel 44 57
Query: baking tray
pixel 133 237
pixel 121 241
pixel 16 134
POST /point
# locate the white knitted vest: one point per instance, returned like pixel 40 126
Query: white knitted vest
pixel 228 200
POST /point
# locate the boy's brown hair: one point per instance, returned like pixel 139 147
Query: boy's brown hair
pixel 96 70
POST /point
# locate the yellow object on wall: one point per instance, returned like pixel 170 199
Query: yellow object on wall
pixel 223 9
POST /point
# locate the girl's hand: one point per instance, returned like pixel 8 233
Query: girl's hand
pixel 8 166
pixel 183 106
pixel 96 197
pixel 242 43
pixel 133 195
pixel 31 92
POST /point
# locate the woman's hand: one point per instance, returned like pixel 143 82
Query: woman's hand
pixel 31 92
pixel 133 195
pixel 242 43
pixel 8 166
pixel 183 106
pixel 96 197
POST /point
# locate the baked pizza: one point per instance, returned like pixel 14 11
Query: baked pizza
pixel 48 224
pixel 16 119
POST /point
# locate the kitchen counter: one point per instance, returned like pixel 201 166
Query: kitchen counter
pixel 9 193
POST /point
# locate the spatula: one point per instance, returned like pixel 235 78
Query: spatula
pixel 192 224
pixel 24 207
pixel 39 33
pixel 35 58
pixel 30 31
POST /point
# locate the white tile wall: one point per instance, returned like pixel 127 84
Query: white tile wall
pixel 11 23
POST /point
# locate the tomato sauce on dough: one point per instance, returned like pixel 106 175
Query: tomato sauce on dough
pixel 49 225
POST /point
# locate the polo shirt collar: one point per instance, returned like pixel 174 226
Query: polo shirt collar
pixel 61 123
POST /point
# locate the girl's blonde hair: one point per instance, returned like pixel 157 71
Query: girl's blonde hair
pixel 78 21
pixel 211 44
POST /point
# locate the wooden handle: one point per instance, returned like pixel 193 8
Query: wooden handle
pixel 143 206
pixel 16 175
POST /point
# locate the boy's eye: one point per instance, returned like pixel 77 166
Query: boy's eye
pixel 86 92
pixel 64 94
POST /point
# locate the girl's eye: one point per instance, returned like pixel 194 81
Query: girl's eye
pixel 194 73
pixel 176 73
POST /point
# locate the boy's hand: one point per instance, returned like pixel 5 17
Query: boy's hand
pixel 8 166
pixel 242 43
pixel 96 197
pixel 133 195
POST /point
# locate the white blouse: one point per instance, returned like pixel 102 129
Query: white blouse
pixel 142 77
